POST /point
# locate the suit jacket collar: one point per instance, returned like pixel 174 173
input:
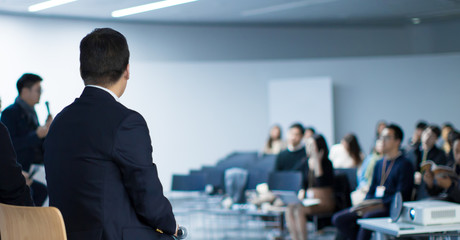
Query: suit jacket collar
pixel 96 94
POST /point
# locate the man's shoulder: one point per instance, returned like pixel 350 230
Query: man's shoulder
pixel 132 116
pixel 405 162
pixel 12 109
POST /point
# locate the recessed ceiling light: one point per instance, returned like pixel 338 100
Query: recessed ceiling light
pixel 48 4
pixel 416 20
pixel 148 7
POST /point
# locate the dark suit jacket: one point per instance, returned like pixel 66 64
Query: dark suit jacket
pixel 99 170
pixel 28 147
pixel 13 188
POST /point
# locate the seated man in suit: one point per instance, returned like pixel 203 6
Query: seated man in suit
pixel 392 174
pixel 13 188
pixel 98 154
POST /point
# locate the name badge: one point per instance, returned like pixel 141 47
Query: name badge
pixel 379 191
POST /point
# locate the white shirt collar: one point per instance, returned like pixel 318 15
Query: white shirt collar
pixel 107 90
pixel 294 148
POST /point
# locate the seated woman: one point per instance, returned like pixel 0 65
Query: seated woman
pixel 275 143
pixel 346 154
pixel 319 184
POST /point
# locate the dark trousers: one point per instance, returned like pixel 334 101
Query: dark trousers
pixel 346 223
pixel 39 193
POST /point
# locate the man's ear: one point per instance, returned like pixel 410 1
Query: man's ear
pixel 126 73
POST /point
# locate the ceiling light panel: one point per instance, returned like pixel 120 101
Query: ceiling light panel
pixel 149 7
pixel 48 4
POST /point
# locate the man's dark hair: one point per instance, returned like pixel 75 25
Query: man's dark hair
pixel 397 131
pixel 104 56
pixel 435 129
pixel 298 126
pixel 27 80
pixel 421 125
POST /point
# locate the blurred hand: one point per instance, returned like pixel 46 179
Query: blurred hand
pixel 417 178
pixel 49 120
pixel 443 181
pixel 42 131
pixel 177 230
pixel 301 194
pixel 28 180
pixel 428 178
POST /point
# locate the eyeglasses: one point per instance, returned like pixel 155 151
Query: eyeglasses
pixel 386 138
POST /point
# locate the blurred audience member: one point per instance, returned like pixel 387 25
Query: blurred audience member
pixel 13 187
pixel 445 184
pixel 309 132
pixel 413 148
pixel 26 133
pixel 392 174
pixel 293 158
pixel 378 131
pixel 429 151
pixel 379 128
pixel 443 142
pixel 450 156
pixel 346 154
pixel 319 185
pixel 365 173
pixel 275 143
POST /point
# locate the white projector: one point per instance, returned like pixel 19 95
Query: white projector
pixel 431 212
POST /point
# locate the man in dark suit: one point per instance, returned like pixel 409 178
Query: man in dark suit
pixel 26 133
pixel 98 154
pixel 13 188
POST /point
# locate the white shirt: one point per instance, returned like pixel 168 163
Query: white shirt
pixel 107 90
pixel 340 157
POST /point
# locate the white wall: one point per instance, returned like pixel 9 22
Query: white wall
pixel 203 90
pixel 309 101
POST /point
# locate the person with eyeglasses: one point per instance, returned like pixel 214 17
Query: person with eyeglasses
pixel 26 132
pixel 392 174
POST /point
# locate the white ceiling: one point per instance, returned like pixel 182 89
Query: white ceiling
pixel 256 11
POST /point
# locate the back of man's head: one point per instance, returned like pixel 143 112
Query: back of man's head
pixel 27 80
pixel 104 56
pixel 399 135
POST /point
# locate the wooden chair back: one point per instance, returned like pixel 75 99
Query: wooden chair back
pixel 24 223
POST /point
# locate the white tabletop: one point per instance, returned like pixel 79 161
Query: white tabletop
pixel 384 225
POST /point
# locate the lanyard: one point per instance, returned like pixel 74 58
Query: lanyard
pixel 386 173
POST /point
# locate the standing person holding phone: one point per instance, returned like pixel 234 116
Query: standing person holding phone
pixel 98 154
